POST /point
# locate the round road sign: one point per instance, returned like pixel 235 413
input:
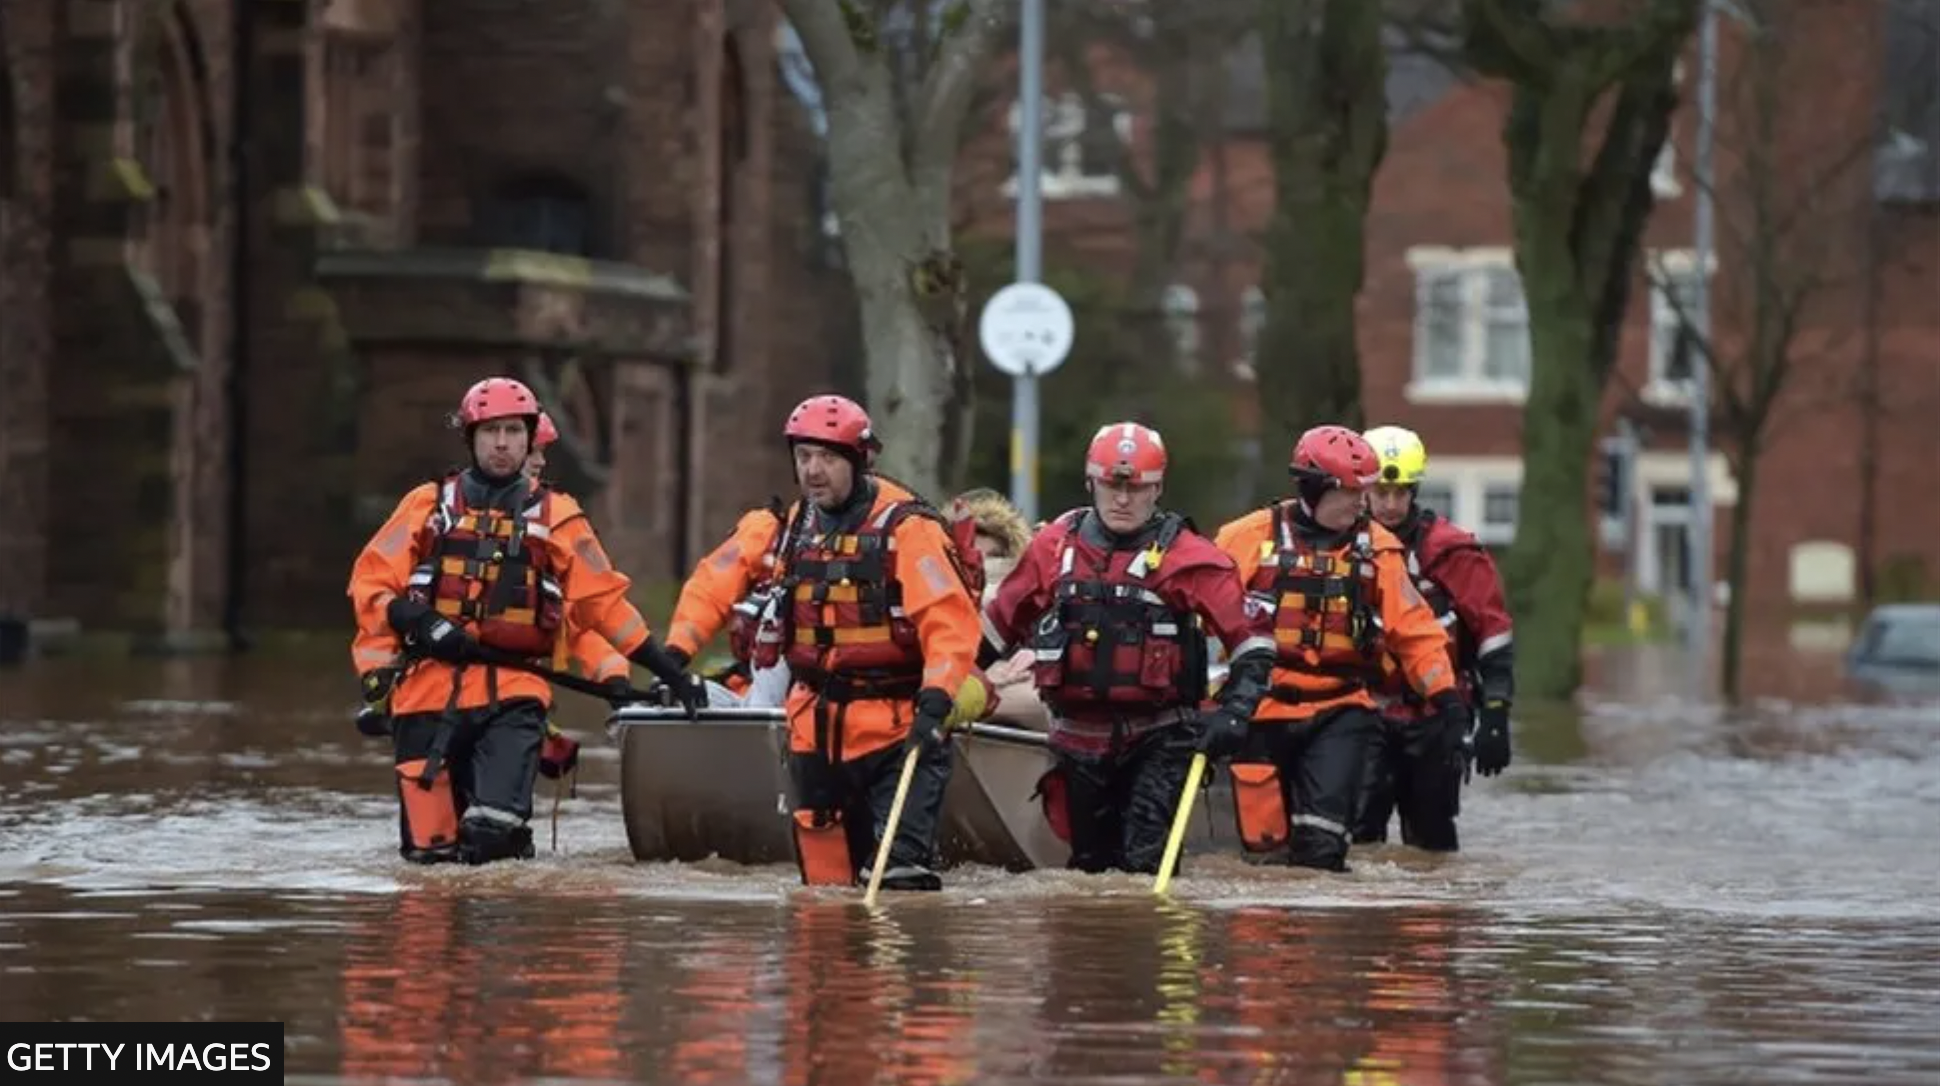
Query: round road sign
pixel 1026 329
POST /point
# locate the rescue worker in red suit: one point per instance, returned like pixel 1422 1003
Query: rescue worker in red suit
pixel 861 592
pixel 1337 586
pixel 1117 600
pixel 1459 580
pixel 472 580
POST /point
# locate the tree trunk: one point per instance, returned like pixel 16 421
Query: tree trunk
pixel 1327 127
pixel 1738 564
pixel 1550 564
pixel 1577 236
pixel 891 166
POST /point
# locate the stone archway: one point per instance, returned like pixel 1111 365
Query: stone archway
pixel 174 140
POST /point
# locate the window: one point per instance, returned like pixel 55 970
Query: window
pixel 542 213
pixel 358 131
pixel 1179 307
pixel 1663 173
pixel 1500 504
pixel 1437 496
pixel 1252 321
pixel 1675 347
pixel 1471 326
pixel 1081 150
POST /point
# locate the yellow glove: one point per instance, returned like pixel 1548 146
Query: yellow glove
pixel 975 699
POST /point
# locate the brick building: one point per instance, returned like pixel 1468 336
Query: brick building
pixel 251 251
pixel 1444 328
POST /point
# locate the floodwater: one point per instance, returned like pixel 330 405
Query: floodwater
pixel 1655 893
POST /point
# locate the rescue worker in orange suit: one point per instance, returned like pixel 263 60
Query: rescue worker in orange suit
pixel 1459 580
pixel 471 576
pixel 859 589
pixel 1117 600
pixel 1337 586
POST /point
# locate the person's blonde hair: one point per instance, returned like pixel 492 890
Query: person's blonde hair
pixel 994 517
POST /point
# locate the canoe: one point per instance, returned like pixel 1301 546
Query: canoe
pixel 718 787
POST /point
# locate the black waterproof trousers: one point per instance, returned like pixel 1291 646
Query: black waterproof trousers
pixel 491 755
pixel 1408 773
pixel 1321 763
pixel 863 789
pixel 1121 806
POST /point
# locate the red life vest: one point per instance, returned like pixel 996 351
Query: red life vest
pixel 840 591
pixel 489 571
pixel 1326 628
pixel 1110 639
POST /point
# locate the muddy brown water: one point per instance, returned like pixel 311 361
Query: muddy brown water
pixel 1657 892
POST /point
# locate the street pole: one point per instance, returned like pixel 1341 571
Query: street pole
pixel 1030 256
pixel 1699 628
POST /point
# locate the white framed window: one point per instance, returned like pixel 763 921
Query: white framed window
pixel 1479 493
pixel 1663 173
pixel 1675 351
pixel 1437 496
pixel 1471 327
pixel 1501 504
pixel 1179 308
pixel 1081 150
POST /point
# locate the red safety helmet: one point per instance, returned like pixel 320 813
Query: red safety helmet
pixel 1127 452
pixel 835 421
pixel 496 398
pixel 1335 456
pixel 545 433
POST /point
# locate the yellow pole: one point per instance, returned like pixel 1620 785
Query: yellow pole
pixel 1180 820
pixel 889 828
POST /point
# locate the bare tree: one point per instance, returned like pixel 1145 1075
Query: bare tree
pixel 1591 97
pixel 896 79
pixel 1326 69
pixel 1792 258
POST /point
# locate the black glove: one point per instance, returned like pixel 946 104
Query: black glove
pixel 669 666
pixel 1220 734
pixel 620 692
pixel 932 709
pixel 374 719
pixel 1451 731
pixel 1492 738
pixel 426 631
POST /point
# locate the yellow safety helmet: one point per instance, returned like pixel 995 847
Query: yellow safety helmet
pixel 1403 458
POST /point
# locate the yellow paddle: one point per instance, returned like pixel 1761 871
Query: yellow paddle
pixel 889 827
pixel 1180 820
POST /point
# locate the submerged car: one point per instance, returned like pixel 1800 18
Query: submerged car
pixel 1896 653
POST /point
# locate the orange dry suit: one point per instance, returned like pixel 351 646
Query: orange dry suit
pixel 1335 613
pixel 869 610
pixel 513 580
pixel 1339 602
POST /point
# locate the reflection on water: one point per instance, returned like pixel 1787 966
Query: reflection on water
pixel 443 984
pixel 1657 892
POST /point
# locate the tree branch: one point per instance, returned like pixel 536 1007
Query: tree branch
pixel 824 30
pixel 1510 39
pixel 964 44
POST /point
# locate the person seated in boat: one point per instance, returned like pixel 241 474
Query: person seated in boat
pixel 1336 585
pixel 1116 600
pixel 459 597
pixel 999 534
pixel 1406 769
pixel 859 588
